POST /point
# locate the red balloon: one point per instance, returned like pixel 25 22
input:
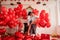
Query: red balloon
pixel 3 9
pixel 41 16
pixel 2 17
pixel 15 9
pixel 24 10
pixel 5 38
pixel 48 24
pixel 28 37
pixel 19 35
pixel 11 16
pixel 24 14
pixel 35 11
pixel 7 19
pixel 0 38
pixel 19 39
pixel 46 17
pixel 2 31
pixel 42 11
pixel 11 24
pixel 42 23
pixel 4 13
pixel 16 16
pixel 5 16
pixel 20 14
pixel 20 25
pixel 2 23
pixel 36 38
pixel 21 6
pixel 11 38
pixel 14 19
pixel 15 24
pixel 10 11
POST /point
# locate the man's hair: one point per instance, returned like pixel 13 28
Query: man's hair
pixel 29 13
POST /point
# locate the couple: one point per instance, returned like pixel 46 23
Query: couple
pixel 30 26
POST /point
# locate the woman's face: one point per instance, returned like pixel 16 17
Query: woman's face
pixel 32 14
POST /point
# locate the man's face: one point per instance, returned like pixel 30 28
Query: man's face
pixel 32 14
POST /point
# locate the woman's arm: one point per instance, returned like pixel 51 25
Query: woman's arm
pixel 29 29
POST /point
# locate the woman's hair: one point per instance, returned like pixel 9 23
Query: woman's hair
pixel 29 13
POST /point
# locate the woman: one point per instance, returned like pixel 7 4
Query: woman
pixel 31 23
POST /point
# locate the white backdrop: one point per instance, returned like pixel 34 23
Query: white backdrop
pixel 51 8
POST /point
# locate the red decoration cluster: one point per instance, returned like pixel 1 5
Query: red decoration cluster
pixel 11 16
pixel 20 12
pixel 21 36
pixel 43 20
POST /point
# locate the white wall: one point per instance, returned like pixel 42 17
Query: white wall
pixel 50 8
